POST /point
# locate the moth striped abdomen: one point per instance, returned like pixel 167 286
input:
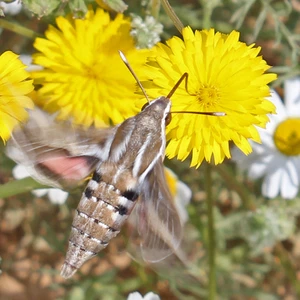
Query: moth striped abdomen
pixel 99 216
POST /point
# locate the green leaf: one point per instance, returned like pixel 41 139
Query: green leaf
pixel 41 7
pixel 78 8
pixel 19 186
pixel 116 5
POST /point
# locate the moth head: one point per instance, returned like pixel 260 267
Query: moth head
pixel 159 108
pixel 164 102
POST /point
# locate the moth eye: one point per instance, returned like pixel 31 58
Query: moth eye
pixel 168 119
pixel 145 105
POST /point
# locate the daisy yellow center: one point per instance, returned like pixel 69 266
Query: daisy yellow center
pixel 208 95
pixel 287 137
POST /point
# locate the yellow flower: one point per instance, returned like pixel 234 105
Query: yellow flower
pixel 84 77
pixel 14 86
pixel 180 192
pixel 225 75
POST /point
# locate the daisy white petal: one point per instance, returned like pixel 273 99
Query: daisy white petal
pixel 288 189
pixel 12 8
pixel 257 170
pixel 138 296
pixel 267 138
pixel 151 296
pixel 20 172
pixel 135 296
pixel 57 196
pixel 292 96
pixel 292 170
pixel 280 115
pixel 271 184
pixel 27 60
pixel 40 192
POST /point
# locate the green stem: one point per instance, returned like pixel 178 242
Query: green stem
pixel 211 235
pixel 284 30
pixel 19 186
pixel 207 12
pixel 172 15
pixel 231 181
pixel 19 29
pixel 288 267
pixel 155 7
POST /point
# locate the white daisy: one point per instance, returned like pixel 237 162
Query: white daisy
pixel 27 60
pixel 138 296
pixel 277 159
pixel 11 8
pixel 56 196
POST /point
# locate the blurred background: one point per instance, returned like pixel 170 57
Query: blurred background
pixel 257 239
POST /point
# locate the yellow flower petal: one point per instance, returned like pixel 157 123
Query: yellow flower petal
pixel 14 86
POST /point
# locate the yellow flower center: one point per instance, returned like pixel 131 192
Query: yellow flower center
pixel 91 73
pixel 287 137
pixel 208 95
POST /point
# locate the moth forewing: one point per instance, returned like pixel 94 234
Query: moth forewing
pixel 159 224
pixel 55 153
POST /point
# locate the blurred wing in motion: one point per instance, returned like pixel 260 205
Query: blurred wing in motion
pixel 55 153
pixel 159 224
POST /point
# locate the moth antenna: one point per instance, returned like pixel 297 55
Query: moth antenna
pixel 185 77
pixel 133 74
pixel 186 86
pixel 208 113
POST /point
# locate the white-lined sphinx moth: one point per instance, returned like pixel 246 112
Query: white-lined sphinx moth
pixel 128 165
